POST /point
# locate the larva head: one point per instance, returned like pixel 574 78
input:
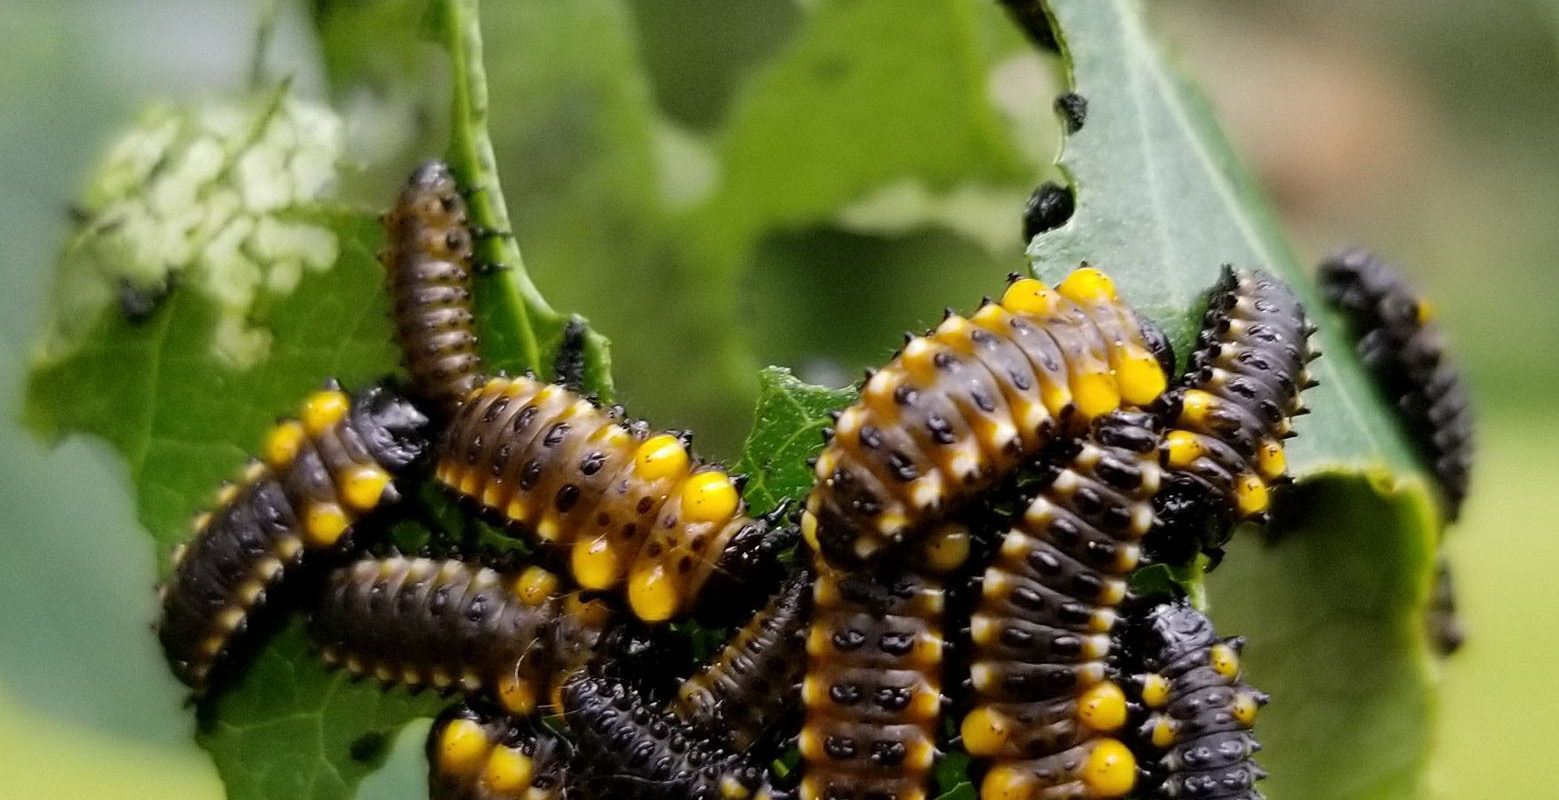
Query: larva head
pixel 747 570
pixel 394 430
pixel 1157 341
pixel 1170 631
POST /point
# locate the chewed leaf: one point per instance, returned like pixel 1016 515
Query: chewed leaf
pixel 786 431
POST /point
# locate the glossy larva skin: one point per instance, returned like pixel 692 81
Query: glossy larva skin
pixel 1228 415
pixel 1196 739
pixel 1397 339
pixel 958 409
pixel 873 687
pixel 1045 716
pixel 635 513
pixel 428 264
pixel 317 476
pixel 751 682
pixel 454 626
pixel 625 749
pixel 484 754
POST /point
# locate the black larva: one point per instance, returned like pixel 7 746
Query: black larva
pixel 317 475
pixel 1397 339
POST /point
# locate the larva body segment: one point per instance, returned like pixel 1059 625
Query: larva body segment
pixel 1398 340
pixel 456 626
pixel 1196 738
pixel 317 476
pixel 634 512
pixel 625 749
pixel 428 264
pixel 749 684
pixel 481 754
pixel 1228 415
pixel 873 688
pixel 959 408
pixel 1046 717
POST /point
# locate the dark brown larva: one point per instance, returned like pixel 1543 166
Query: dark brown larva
pixel 958 409
pixel 429 266
pixel 456 626
pixel 1399 342
pixel 1046 717
pixel 750 683
pixel 873 688
pixel 477 753
pixel 633 512
pixel 627 750
pixel 317 475
pixel 1228 415
pixel 1196 740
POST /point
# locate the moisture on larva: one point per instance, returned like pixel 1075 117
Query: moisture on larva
pixel 316 476
pixel 958 409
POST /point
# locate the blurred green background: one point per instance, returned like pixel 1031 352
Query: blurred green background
pixel 1428 130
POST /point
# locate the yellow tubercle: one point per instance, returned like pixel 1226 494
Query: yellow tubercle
pixel 226 494
pixel 653 593
pixel 363 486
pixel 1245 708
pixel 1195 405
pixel 809 530
pixel 461 745
pixel 1271 461
pixel 508 771
pixel 661 457
pixel 985 731
pixel 946 549
pixel 324 524
pixel 1163 732
pixel 1007 782
pixel 282 444
pixel 1095 394
pixel 732 789
pixel 595 564
pixel 709 497
pixel 1111 770
pixel 517 695
pixel 1102 707
pixel 1224 661
pixel 1088 286
pixel 536 586
pixel 1250 496
pixel 1181 448
pixel 1031 297
pixel 323 409
pixel 1155 690
pixel 1141 378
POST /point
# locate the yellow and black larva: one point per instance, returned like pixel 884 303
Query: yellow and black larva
pixel 476 753
pixel 957 409
pixel 317 475
pixel 429 263
pixel 873 687
pixel 634 512
pixel 750 683
pixel 457 626
pixel 1046 717
pixel 1398 341
pixel 1196 739
pixel 1226 418
pixel 626 749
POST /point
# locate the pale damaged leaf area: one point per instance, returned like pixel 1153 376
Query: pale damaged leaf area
pixel 201 196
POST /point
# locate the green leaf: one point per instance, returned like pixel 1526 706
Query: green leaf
pixel 787 430
pixel 1161 204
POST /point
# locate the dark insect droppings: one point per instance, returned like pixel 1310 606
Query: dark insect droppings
pixel 1074 109
pixel 1048 208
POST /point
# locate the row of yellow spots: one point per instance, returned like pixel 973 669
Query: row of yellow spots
pixel 1163 730
pixel 466 754
pixel 359 487
pixel 1184 446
